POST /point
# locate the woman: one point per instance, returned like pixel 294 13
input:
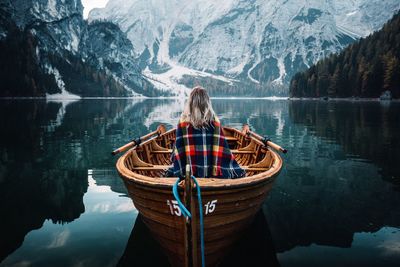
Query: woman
pixel 200 142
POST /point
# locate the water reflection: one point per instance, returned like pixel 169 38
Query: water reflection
pixel 255 248
pixel 92 240
pixel 368 130
pixel 379 249
pixel 335 183
pixel 340 178
pixel 32 187
pixel 142 249
pixel 44 154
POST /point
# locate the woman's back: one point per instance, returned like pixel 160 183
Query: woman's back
pixel 200 142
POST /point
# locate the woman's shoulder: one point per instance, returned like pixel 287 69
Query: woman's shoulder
pixel 211 125
pixel 183 123
pixel 216 122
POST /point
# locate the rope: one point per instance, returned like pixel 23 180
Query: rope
pixel 186 213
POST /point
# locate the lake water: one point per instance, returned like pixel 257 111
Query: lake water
pixel 336 202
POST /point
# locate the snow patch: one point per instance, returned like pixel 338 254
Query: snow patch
pixel 169 80
pixel 237 69
pixel 351 13
pixel 282 72
pixel 348 32
pixel 251 77
pixel 52 8
pixel 74 40
pixel 64 95
pixel 258 60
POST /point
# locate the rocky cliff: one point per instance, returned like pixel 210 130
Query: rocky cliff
pixel 60 55
pixel 258 43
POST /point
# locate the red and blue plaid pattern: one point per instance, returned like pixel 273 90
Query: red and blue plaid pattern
pixel 205 150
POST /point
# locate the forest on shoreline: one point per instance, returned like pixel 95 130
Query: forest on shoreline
pixel 364 69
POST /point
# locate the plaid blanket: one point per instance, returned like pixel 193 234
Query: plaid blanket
pixel 205 150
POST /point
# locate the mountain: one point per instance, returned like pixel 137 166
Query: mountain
pixel 364 69
pixel 229 45
pixel 103 44
pixel 48 49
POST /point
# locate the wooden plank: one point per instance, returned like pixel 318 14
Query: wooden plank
pixel 152 168
pixel 165 167
pixel 234 151
pixel 237 199
pixel 169 151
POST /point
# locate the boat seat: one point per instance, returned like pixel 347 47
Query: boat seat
pixel 154 160
pixel 165 167
pixel 234 151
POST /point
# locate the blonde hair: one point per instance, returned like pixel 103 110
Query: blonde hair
pixel 198 110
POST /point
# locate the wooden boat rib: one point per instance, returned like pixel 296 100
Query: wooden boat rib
pixel 229 205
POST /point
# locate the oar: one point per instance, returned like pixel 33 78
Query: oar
pixel 137 141
pixel 265 140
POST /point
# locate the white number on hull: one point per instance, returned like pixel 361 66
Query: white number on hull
pixel 174 207
pixel 175 210
pixel 210 206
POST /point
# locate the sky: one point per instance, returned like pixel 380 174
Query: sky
pixel 90 4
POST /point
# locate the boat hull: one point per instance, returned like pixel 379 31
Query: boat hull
pixel 229 205
pixel 227 213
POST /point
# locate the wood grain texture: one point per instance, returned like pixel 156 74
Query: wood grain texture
pixel 229 205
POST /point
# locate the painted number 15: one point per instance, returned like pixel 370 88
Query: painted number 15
pixel 175 210
pixel 174 207
pixel 210 206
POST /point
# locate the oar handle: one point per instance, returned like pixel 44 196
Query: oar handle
pixel 126 146
pixel 277 147
pixel 268 142
pixel 264 139
pixel 137 141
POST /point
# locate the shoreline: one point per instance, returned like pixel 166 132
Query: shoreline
pixel 270 98
pixel 351 99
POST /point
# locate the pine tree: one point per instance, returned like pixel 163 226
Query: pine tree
pixel 391 80
pixel 335 82
pixel 364 68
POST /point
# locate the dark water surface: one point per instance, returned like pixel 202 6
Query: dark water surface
pixel 336 202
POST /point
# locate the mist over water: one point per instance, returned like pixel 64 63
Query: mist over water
pixel 334 203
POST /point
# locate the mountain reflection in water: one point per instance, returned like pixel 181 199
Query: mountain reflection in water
pixel 337 195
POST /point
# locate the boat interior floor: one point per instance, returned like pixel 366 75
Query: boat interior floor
pixel 153 157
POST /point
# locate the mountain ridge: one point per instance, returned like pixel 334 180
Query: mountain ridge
pixel 366 68
pixel 256 43
pixel 59 61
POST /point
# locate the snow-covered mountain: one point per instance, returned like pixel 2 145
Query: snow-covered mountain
pixel 70 57
pixel 261 43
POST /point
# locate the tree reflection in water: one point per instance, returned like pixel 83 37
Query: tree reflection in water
pixel 340 177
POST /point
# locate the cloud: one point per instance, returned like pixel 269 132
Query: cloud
pixel 59 239
pixel 90 4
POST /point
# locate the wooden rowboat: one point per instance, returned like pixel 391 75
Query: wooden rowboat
pixel 229 205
